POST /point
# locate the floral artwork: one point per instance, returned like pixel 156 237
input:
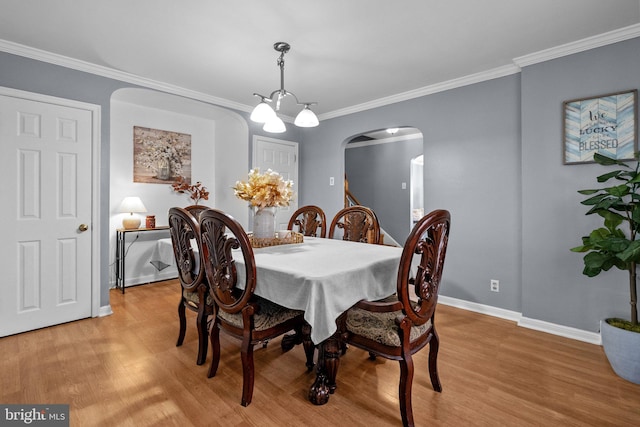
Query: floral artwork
pixel 265 190
pixel 160 156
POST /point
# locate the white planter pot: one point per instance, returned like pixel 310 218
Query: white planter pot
pixel 623 351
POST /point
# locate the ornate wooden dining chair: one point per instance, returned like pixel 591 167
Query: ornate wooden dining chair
pixel 358 224
pixel 399 326
pixel 196 210
pixel 237 310
pixel 184 227
pixel 310 220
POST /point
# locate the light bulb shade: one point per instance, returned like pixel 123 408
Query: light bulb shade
pixel 274 125
pixel 306 118
pixel 262 113
pixel 132 204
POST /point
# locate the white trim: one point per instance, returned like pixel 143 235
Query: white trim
pixel 525 322
pixel 105 310
pixel 426 90
pixel 514 316
pixel 417 135
pixel 593 42
pixel 75 64
pixel 563 331
pixel 519 62
pixel 95 111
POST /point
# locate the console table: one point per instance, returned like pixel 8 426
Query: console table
pixel 121 235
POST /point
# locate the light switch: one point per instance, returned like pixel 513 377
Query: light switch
pixel 331 181
pixel 404 185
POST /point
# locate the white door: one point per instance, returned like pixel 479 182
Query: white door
pixel 46 252
pixel 282 157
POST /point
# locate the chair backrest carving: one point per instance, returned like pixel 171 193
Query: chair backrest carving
pixel 358 224
pixel 221 237
pixel 310 220
pixel 183 227
pixel 428 242
pixel 196 210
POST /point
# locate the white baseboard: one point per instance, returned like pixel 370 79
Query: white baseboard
pixel 105 310
pixel 169 273
pixel 538 325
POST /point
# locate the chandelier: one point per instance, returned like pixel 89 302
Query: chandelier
pixel 264 113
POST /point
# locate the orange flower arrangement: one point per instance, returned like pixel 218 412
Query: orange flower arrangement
pixel 196 191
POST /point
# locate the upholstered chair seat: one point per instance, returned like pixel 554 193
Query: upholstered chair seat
pixel 268 315
pixel 381 327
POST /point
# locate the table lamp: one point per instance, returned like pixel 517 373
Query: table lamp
pixel 131 205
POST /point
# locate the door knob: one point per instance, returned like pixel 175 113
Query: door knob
pixel 83 227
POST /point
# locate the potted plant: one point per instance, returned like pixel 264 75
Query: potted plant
pixel 615 245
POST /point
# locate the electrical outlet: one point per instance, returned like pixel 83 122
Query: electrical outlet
pixel 331 181
pixel 495 285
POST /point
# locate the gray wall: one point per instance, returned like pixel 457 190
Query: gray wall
pixel 471 167
pixel 553 220
pixel 376 173
pixel 493 158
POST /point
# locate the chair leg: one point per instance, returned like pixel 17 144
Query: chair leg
pixel 434 344
pixel 215 349
pixel 404 390
pixel 202 335
pixel 248 374
pixel 183 323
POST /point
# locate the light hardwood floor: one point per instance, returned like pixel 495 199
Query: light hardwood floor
pixel 125 370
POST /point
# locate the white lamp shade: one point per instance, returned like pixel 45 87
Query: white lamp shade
pixel 306 118
pixel 262 113
pixel 132 204
pixel 274 125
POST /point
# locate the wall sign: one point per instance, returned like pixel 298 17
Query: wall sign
pixel 605 124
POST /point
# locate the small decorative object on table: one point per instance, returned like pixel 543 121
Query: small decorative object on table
pixel 196 192
pixel 280 239
pixel 150 221
pixel 265 192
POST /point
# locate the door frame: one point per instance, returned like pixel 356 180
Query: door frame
pixel 296 145
pixel 96 112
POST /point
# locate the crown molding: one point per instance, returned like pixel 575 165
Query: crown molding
pixel 75 64
pixel 388 140
pixel 426 90
pixel 593 42
pixel 519 62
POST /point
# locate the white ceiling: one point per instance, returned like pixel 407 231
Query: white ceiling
pixel 347 55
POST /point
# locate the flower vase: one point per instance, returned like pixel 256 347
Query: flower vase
pixel 264 223
pixel 164 169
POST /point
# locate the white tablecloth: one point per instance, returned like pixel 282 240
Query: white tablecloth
pixel 323 277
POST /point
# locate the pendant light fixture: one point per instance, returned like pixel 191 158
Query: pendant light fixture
pixel 264 113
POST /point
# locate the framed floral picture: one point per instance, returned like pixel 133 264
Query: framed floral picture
pixel 605 124
pixel 160 156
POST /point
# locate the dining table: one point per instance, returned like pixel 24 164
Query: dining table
pixel 324 278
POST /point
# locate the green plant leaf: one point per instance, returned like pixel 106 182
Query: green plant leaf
pixel 631 253
pixel 607 161
pixel 618 191
pixel 608 176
